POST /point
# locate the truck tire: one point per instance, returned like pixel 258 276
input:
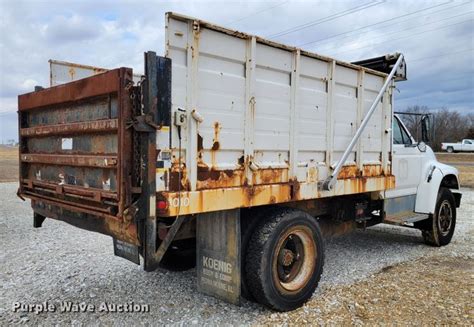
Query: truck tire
pixel 250 218
pixel 442 223
pixel 180 256
pixel 284 259
pixel 450 149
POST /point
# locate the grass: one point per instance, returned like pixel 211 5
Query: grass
pixel 464 162
pixel 8 164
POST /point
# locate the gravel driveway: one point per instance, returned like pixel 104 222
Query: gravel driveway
pixel 60 263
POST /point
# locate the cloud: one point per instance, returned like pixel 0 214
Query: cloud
pixel 71 29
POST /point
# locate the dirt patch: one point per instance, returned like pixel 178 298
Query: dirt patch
pixel 422 292
pixel 8 164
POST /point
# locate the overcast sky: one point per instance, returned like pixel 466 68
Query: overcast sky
pixel 437 38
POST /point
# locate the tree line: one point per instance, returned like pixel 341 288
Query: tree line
pixel 447 125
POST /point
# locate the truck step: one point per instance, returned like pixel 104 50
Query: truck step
pixel 405 219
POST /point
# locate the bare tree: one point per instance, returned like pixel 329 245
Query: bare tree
pixel 448 125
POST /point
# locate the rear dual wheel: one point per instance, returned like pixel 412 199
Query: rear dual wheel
pixel 284 259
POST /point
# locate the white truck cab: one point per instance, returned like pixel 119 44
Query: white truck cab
pixel 426 192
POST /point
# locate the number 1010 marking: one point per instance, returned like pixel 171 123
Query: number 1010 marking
pixel 184 202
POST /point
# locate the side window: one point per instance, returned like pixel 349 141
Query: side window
pixel 400 136
pixel 468 142
pixel 397 133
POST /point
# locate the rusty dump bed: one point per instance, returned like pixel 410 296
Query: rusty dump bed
pixel 225 120
pixel 76 152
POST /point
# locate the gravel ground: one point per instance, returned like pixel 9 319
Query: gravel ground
pixel 59 263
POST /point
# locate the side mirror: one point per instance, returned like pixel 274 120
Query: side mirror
pixel 421 146
pixel 425 128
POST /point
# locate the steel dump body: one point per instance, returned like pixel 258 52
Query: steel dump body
pixel 225 120
pixel 266 123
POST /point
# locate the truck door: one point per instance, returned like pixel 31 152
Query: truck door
pixel 467 145
pixel 406 162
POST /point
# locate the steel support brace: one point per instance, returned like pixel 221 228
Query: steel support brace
pixel 329 183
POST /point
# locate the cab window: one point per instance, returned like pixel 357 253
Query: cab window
pixel 400 136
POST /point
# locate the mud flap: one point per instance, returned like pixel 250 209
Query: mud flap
pixel 127 251
pixel 218 254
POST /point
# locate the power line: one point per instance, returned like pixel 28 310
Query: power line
pixel 406 37
pixel 410 28
pixel 385 21
pixel 258 12
pixel 443 55
pixel 327 18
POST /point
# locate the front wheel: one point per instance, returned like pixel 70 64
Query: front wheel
pixel 440 230
pixel 284 259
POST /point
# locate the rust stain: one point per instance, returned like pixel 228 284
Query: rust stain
pixel 210 178
pixel 215 140
pixel 372 170
pixel 368 170
pixel 348 172
pixel 270 176
pixel 215 146
pixel 199 143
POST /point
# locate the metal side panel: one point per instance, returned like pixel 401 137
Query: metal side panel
pixel 261 122
pixel 269 113
pixel 76 152
pixel 61 72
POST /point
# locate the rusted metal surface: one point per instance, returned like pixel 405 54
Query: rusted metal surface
pixel 101 84
pixel 193 202
pixel 76 152
pixel 71 160
pixel 74 144
pixel 104 224
pixel 92 193
pixel 84 127
pixel 368 170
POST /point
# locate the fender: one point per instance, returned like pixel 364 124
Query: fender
pixel 433 175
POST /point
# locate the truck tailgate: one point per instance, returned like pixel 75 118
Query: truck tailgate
pixel 70 162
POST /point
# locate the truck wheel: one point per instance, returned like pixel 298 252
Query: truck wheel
pixel 443 221
pixel 450 149
pixel 180 256
pixel 284 259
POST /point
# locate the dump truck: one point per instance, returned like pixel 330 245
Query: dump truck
pixel 234 154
